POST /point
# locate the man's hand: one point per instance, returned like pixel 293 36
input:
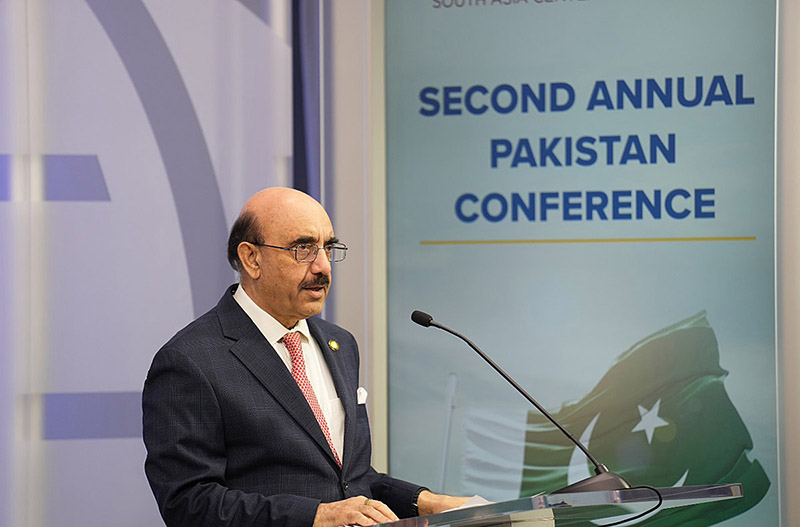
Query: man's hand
pixel 353 511
pixel 430 503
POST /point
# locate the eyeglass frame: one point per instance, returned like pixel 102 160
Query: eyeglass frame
pixel 334 245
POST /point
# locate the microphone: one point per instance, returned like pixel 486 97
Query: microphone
pixel 422 318
pixel 603 478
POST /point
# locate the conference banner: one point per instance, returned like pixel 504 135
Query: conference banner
pixel 585 189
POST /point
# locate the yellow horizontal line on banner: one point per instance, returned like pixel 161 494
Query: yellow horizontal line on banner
pixel 591 240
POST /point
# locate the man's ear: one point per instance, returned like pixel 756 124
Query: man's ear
pixel 251 260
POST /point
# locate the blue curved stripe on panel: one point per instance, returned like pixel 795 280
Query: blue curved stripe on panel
pixel 5 177
pixel 74 178
pixel 99 415
pixel 67 177
pixel 261 8
pixel 180 140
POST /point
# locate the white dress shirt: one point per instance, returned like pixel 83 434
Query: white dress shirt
pixel 317 370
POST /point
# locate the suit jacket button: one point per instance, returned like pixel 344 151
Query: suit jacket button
pixel 345 486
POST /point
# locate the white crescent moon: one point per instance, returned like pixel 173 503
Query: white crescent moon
pixel 578 464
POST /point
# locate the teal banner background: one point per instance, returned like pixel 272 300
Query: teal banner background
pixel 560 301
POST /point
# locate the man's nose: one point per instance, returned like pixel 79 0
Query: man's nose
pixel 321 264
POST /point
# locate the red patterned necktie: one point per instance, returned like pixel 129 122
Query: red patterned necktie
pixel 295 348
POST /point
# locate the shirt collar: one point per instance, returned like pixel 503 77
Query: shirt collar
pixel 272 330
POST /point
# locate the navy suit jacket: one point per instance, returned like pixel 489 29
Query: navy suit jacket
pixel 231 441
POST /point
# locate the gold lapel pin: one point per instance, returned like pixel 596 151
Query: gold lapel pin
pixel 333 345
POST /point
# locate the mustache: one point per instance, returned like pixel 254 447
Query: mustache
pixel 319 281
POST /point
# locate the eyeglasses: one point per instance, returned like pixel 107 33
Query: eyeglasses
pixel 307 252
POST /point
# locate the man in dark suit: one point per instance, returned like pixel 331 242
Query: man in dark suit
pixel 252 413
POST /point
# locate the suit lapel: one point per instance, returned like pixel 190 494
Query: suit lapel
pixel 335 359
pixel 253 350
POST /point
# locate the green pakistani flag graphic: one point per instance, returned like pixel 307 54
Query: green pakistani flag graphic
pixel 661 417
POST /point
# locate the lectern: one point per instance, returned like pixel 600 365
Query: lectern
pixel 573 509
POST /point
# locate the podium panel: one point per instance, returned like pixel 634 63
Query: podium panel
pixel 573 509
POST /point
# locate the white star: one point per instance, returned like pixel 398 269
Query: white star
pixel 649 421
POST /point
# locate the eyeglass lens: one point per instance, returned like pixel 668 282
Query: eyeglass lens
pixel 308 253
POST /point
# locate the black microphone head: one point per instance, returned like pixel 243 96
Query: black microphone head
pixel 422 318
